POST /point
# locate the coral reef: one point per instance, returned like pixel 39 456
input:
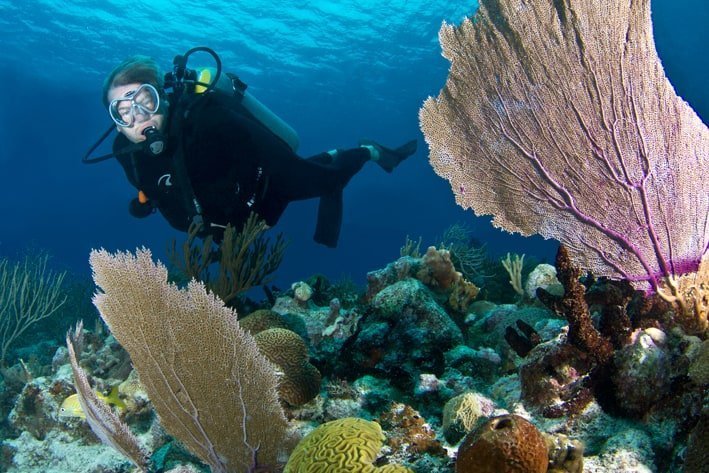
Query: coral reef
pixel 699 369
pixel 435 269
pixel 37 407
pixel 63 452
pixel 605 374
pixel 642 372
pixel 565 454
pixel 554 379
pixel 697 457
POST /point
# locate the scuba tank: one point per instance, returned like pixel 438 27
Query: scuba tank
pixel 232 85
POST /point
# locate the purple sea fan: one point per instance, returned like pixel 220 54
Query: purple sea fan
pixel 557 119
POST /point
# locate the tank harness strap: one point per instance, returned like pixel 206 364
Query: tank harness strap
pixel 192 205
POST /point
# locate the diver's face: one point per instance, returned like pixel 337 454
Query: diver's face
pixel 140 121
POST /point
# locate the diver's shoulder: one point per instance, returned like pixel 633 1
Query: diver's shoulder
pixel 120 143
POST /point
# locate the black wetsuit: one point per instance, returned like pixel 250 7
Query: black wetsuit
pixel 235 165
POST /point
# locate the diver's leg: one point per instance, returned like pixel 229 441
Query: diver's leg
pixel 297 179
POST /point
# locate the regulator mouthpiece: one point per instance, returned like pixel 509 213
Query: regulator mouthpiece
pixel 154 140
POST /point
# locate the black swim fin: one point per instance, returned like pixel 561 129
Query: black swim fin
pixel 390 158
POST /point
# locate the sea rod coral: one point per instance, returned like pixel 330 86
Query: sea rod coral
pixel 557 119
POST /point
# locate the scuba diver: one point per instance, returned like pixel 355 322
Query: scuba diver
pixel 201 149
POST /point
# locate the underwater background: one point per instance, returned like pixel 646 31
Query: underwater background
pixel 336 71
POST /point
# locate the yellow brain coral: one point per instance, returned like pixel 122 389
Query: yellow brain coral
pixel 348 445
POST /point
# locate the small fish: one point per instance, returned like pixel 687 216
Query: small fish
pixel 71 407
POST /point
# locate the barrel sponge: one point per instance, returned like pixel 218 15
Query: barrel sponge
pixel 504 444
pixel 300 381
pixel 348 445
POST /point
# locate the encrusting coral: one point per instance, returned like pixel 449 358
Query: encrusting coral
pixel 697 456
pixel 699 369
pixel 437 270
pixel 409 431
pixel 565 454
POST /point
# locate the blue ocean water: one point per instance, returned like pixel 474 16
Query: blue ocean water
pixel 337 71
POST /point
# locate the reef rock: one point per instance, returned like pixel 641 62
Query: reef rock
pixel 407 333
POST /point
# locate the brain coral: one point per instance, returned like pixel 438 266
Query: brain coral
pixel 504 444
pixel 348 445
pixel 286 349
pixel 261 320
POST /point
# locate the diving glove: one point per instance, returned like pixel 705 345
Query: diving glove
pixel 139 209
pixel 387 158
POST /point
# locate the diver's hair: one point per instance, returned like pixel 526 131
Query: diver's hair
pixel 136 69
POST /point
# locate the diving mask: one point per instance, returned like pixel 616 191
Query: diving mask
pixel 141 103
